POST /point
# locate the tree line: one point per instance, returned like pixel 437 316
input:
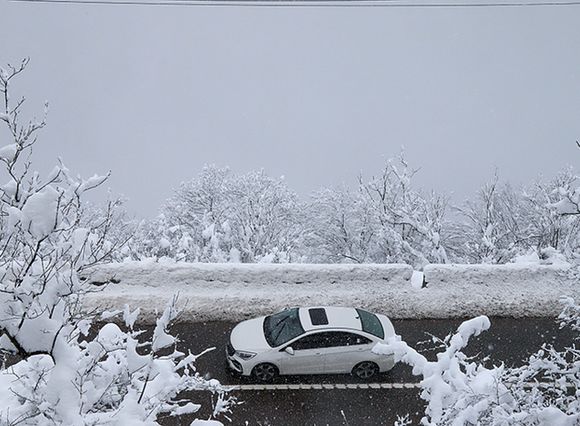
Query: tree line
pixel 222 216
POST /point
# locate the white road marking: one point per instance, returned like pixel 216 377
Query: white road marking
pixel 326 386
pixel 345 386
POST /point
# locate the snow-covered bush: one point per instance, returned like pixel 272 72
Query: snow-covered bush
pixel 462 391
pixel 62 376
pixel 116 378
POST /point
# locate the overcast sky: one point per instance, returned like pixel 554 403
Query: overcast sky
pixel 315 94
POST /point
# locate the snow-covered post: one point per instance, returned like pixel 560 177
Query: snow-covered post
pixel 62 376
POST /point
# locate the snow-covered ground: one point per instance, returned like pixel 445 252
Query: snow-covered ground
pixel 238 291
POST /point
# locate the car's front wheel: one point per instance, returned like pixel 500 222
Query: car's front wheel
pixel 265 372
pixel 365 370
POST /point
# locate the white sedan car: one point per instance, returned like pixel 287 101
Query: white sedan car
pixel 316 340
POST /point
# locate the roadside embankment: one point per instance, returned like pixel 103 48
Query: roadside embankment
pixel 236 291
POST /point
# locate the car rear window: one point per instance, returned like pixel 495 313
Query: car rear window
pixel 318 316
pixel 371 323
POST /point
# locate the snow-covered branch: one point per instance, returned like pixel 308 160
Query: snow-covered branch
pixel 62 375
pixel 462 391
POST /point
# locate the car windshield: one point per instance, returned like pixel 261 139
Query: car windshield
pixel 282 327
pixel 371 324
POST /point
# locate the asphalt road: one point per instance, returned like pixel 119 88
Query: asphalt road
pixel 338 400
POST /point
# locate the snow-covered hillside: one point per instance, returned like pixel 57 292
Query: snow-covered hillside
pixel 237 291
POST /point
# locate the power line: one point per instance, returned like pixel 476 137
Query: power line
pixel 307 3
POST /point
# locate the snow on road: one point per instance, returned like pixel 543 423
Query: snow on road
pixel 238 291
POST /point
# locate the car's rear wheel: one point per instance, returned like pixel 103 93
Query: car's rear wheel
pixel 366 370
pixel 265 372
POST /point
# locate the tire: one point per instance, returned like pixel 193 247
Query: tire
pixel 265 373
pixel 365 370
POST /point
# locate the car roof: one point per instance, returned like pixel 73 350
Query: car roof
pixel 321 317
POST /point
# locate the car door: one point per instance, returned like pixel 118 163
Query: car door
pixel 307 356
pixel 345 350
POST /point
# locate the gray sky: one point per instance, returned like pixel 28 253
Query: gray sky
pixel 316 95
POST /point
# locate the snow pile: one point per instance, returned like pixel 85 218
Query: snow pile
pixel 547 256
pixel 238 291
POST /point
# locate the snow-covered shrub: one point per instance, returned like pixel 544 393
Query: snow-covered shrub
pixel 62 376
pixel 462 391
pixel 116 377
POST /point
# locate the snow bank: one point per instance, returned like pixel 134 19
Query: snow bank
pixel 520 290
pixel 152 273
pixel 237 291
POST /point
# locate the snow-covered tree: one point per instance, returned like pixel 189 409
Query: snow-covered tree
pixel 62 375
pixel 490 228
pixel 410 225
pixel 264 219
pixel 459 390
pixel 568 193
pixel 551 226
pixel 503 222
pixel 339 227
pixel 197 217
pixel 220 216
pixel 111 222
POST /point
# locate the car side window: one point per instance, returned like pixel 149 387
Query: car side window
pixel 312 341
pixel 329 339
pixel 343 338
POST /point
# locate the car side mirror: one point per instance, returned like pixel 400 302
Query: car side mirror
pixel 289 350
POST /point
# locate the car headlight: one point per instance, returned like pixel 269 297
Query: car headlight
pixel 245 355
